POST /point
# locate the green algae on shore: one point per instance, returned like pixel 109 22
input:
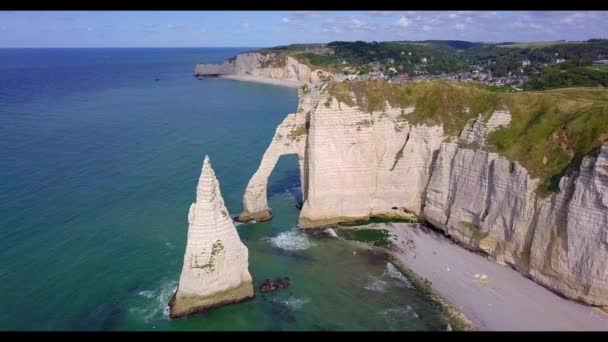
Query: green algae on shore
pixel 376 237
pixel 457 320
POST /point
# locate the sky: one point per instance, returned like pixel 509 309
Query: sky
pixel 272 28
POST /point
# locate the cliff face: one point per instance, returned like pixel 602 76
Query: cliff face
pixel 216 264
pixel 264 65
pixel 358 164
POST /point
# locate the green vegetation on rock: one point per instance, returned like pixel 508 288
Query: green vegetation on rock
pixel 377 237
pixel 551 131
pixel 298 131
pixel 549 134
pixel 474 230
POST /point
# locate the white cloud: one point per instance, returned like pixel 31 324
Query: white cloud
pixel 403 22
pixel 468 20
pixel 381 13
pixel 89 29
pixel 343 24
pixel 175 26
pixel 356 23
pixel 426 28
pixel 286 20
pixel 452 15
pixel 245 25
pixel 459 27
pixel 306 14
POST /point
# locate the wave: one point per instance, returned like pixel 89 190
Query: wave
pixel 147 294
pixel 393 272
pixel 400 312
pixel 292 240
pixel 376 285
pixel 156 305
pixel 295 303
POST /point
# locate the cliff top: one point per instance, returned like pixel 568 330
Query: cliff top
pixel 550 132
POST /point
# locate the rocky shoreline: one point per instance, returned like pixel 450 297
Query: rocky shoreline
pixel 493 297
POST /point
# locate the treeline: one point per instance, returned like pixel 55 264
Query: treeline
pixel 564 76
pixel 439 58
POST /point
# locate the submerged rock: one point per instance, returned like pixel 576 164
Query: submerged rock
pixel 279 283
pixel 216 262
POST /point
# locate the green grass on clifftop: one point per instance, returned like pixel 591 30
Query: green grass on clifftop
pixel 550 132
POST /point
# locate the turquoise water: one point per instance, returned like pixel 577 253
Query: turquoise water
pixel 99 164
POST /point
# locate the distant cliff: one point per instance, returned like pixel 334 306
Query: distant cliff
pixel 520 177
pixel 264 64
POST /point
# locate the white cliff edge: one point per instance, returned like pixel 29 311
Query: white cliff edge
pixel 263 65
pixel 216 263
pixel 355 165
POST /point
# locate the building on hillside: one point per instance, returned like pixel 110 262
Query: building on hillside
pixel 600 62
pixel 525 62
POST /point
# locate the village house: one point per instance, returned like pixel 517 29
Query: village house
pixel 600 62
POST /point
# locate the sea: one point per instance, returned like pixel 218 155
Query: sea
pixel 100 153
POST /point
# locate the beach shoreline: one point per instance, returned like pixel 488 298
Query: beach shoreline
pixel 266 80
pixel 504 300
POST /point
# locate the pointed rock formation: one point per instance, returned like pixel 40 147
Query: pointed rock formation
pixel 216 264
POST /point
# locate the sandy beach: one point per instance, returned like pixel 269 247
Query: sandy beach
pixel 273 81
pixel 506 300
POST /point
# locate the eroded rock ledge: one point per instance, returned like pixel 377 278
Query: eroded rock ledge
pixel 355 164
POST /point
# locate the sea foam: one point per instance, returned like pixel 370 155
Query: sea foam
pixel 292 240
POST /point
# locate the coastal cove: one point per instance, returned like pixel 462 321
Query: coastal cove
pixel 449 173
pixel 101 164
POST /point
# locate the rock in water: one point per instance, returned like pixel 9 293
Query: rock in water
pixel 331 232
pixel 216 262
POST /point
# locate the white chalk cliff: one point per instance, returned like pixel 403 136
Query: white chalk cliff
pixel 216 262
pixel 265 65
pixel 355 164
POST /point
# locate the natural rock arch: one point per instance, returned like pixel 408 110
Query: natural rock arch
pixel 289 138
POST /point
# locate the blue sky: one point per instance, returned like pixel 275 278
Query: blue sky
pixel 270 28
